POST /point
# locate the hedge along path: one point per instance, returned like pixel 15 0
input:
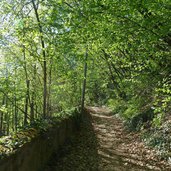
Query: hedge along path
pixel 103 144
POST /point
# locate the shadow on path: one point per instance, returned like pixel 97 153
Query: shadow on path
pixel 104 145
pixel 80 153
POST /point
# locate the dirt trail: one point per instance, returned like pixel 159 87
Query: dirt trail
pixel 104 145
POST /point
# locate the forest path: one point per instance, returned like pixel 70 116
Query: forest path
pixel 104 145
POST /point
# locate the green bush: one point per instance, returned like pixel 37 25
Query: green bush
pixel 118 106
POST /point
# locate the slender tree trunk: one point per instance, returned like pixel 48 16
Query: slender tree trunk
pixel 32 108
pixel 8 124
pixel 27 100
pixel 2 117
pixel 84 82
pixel 15 114
pixel 7 119
pixel 49 89
pixel 26 103
pixel 44 60
pixel 45 90
pixel 33 101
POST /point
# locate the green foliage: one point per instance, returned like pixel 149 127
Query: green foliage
pixel 128 62
pixel 118 106
pixel 130 112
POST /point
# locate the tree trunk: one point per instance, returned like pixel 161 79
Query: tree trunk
pixel 49 89
pixel 33 98
pixel 15 114
pixel 2 117
pixel 26 103
pixel 84 82
pixel 44 61
pixel 27 100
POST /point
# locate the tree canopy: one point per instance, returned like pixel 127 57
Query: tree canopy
pixel 43 44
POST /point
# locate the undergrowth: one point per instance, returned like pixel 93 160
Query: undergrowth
pixel 160 139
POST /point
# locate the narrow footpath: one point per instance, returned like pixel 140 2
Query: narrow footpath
pixel 104 145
